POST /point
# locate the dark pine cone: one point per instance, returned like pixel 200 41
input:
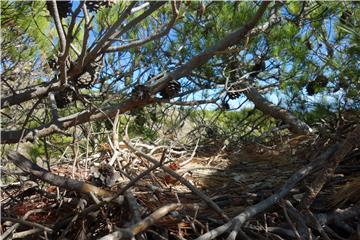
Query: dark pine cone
pixel 311 88
pixel 90 75
pixel 257 68
pixel 171 89
pixel 321 80
pixel 314 86
pixel 64 8
pixel 233 94
pixel 93 6
pixel 63 98
pixel 140 92
pixel 52 63
pixel 225 105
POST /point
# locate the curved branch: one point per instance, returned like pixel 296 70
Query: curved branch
pixel 86 116
pixel 14 136
pixel 270 201
pixel 261 103
pixel 157 35
pixel 202 58
pixel 35 170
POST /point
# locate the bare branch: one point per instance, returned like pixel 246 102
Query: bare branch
pixel 31 93
pixel 261 103
pixel 86 34
pixel 16 225
pixel 85 116
pixel 270 201
pixel 158 34
pixel 29 167
pixel 65 51
pixel 172 173
pixel 113 32
pixel 202 58
pixel 27 223
pixel 145 223
pixel 58 26
pixel 350 142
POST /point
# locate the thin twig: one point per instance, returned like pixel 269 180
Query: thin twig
pixel 288 219
pixel 270 201
pixel 27 223
pixel 168 170
pixel 146 223
pixel 58 26
pixel 16 225
pixel 158 34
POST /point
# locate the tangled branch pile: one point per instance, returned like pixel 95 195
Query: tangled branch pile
pixel 161 192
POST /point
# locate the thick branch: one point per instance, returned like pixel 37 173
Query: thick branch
pixel 350 142
pixel 273 199
pixel 58 26
pixel 197 61
pixel 34 92
pixel 70 121
pixel 71 184
pixel 261 103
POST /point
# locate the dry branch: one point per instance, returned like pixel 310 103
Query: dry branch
pixel 270 201
pixel 27 223
pixel 328 170
pixel 261 103
pixel 16 225
pixel 145 223
pixel 26 233
pixel 71 184
pixel 172 173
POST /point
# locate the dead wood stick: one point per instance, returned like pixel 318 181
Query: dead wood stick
pixel 315 224
pixel 114 198
pixel 16 225
pixel 168 170
pixel 292 225
pixel 273 199
pixel 154 217
pixel 71 184
pixel 27 223
pixel 330 167
pixel 234 233
pixel 300 221
pixel 145 223
pixel 26 233
pixel 338 215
